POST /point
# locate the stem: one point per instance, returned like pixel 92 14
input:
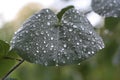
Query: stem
pixel 15 67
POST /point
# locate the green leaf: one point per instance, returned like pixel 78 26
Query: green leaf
pixel 111 23
pixel 7 58
pixel 4 48
pixel 5 66
pixel 60 14
pixel 41 40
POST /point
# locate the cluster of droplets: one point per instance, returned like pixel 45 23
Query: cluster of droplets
pixel 42 41
pixel 107 8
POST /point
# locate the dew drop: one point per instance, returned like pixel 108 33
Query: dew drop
pixel 39 15
pixel 80 40
pixel 78 43
pixel 34 26
pixel 74 26
pixel 51 38
pixel 36 44
pixel 46 64
pixel 27 49
pixel 42 32
pixel 70 29
pixel 47 10
pixel 26 31
pixel 54 59
pixel 64 45
pixel 64 21
pixel 89 52
pixel 63 61
pixel 62 49
pixel 37 51
pixel 35 54
pixel 44 42
pixel 48 23
pixel 79 56
pixel 92 52
pixel 46 45
pixel 58 54
pixel 44 51
pixel 52 46
pixel 78 63
pixel 48 34
pixel 37 33
pixel 44 37
pixel 90 32
pixel 56 64
pixel 68 57
pixel 68 39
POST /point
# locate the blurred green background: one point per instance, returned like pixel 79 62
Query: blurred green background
pixel 105 65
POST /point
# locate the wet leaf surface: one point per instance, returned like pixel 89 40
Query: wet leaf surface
pixel 107 8
pixel 42 39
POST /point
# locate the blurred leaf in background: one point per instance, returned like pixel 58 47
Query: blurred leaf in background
pixel 8 29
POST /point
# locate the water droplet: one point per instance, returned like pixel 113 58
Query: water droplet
pixel 37 51
pixel 44 51
pixel 54 59
pixel 64 45
pixel 70 29
pixel 62 49
pixel 48 34
pixel 35 54
pixel 92 52
pixel 78 43
pixel 74 26
pixel 27 49
pixel 48 23
pixel 44 42
pixel 37 33
pixel 68 57
pixel 46 64
pixel 47 10
pixel 90 32
pixel 36 44
pixel 49 16
pixel 80 40
pixel 79 56
pixel 45 37
pixel 46 45
pixel 52 46
pixel 99 47
pixel 64 21
pixel 39 15
pixel 57 64
pixel 42 32
pixel 63 61
pixel 89 52
pixel 34 26
pixel 78 63
pixel 68 39
pixel 51 38
pixel 58 54
pixel 26 31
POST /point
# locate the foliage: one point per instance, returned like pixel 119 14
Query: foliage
pixel 99 67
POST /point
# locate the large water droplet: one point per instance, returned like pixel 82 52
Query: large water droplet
pixel 70 29
pixel 65 45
